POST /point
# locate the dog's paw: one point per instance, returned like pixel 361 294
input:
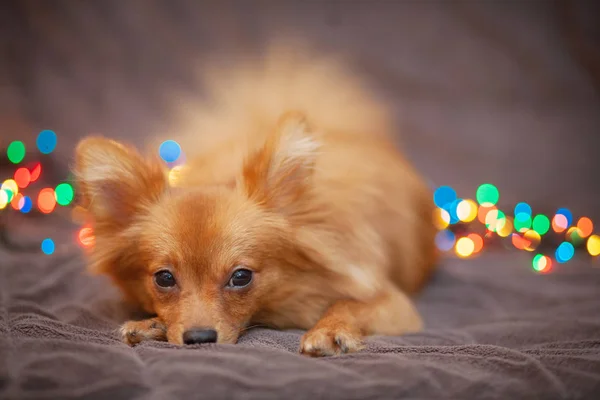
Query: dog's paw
pixel 326 341
pixel 134 332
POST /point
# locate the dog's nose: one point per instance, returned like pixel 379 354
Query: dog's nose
pixel 199 335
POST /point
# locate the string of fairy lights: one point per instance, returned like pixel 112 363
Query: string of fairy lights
pixel 465 226
pixel 457 220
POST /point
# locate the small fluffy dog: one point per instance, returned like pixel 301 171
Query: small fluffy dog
pixel 294 210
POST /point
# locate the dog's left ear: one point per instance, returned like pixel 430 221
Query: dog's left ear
pixel 278 175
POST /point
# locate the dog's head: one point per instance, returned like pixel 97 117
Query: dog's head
pixel 205 259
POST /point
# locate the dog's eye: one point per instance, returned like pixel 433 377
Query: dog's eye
pixel 240 278
pixel 164 279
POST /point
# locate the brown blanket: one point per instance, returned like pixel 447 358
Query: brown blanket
pixel 504 92
pixel 496 330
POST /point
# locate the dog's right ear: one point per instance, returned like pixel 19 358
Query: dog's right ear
pixel 114 181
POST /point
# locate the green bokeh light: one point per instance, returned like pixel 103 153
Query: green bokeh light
pixel 522 222
pixel 541 224
pixel 536 262
pixel 16 152
pixel 487 195
pixel 64 194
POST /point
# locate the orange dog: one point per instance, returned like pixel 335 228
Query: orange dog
pixel 296 212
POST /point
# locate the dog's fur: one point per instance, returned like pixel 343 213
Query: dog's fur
pixel 297 180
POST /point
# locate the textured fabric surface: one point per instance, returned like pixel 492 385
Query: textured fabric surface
pixel 505 92
pixel 495 330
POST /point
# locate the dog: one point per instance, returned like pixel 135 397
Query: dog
pixel 297 210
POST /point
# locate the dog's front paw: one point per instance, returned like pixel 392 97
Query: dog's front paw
pixel 134 332
pixel 323 341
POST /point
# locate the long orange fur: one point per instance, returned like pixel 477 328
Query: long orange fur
pixel 292 173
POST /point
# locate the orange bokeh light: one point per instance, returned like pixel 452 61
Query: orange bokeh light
pixel 22 177
pixel 477 241
pixel 46 200
pixel 483 212
pixel 16 202
pixel 559 223
pixel 519 242
pixel 585 226
pixel 86 237
pixel 35 172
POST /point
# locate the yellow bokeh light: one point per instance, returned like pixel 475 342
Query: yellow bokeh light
pixel 3 199
pixel 175 175
pixel 11 185
pixel 506 229
pixel 593 245
pixel 464 247
pixel 495 220
pixel 441 218
pixel 466 210
pixel 532 240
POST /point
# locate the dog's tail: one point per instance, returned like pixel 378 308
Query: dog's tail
pixel 247 95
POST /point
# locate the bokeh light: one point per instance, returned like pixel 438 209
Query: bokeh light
pixel 541 224
pixel 483 212
pixel 542 263
pixel 48 246
pixel 441 218
pixel 46 141
pixel 64 194
pixel 466 210
pixel 444 195
pixel 46 201
pixel 574 236
pixel 444 240
pixel 522 222
pixel 10 187
pixel 522 208
pixel 22 177
pixel 532 240
pixel 452 209
pixel 477 242
pixel 593 245
pixel 564 252
pixel 487 195
pixel 169 151
pixel 16 152
pixel 16 201
pixel 3 199
pixel 568 215
pixel 519 241
pixel 495 220
pixel 25 204
pixel 506 229
pixel 585 227
pixel 559 223
pixel 86 237
pixel 464 247
pixel 35 172
pixel 175 175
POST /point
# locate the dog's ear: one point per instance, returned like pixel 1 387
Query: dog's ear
pixel 278 174
pixel 114 181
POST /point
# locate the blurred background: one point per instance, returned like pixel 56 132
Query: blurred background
pixel 506 92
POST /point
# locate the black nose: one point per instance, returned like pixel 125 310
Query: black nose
pixel 199 335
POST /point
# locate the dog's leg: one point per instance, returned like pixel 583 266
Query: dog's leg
pixel 134 332
pixel 344 324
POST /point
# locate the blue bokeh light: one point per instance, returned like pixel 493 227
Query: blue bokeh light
pixel 48 246
pixel 46 141
pixel 443 196
pixel 444 240
pixel 564 252
pixel 27 204
pixel 169 151
pixel 568 215
pixel 523 208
